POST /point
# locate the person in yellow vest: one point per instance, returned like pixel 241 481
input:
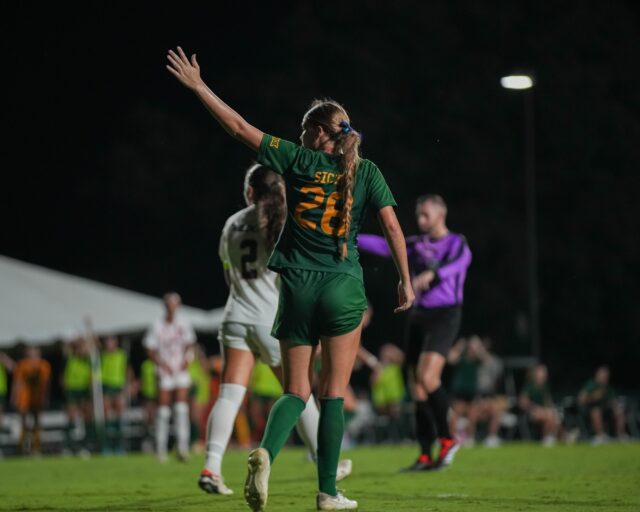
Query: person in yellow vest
pixel 113 369
pixel 199 395
pixel 76 382
pixel 388 390
pixel 6 365
pixel 149 394
pixel 265 389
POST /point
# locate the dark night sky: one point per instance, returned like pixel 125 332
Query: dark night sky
pixel 114 172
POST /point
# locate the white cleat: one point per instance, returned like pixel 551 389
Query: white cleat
pixel 599 439
pixel 256 487
pixel 339 502
pixel 492 441
pixel 213 484
pixel 345 466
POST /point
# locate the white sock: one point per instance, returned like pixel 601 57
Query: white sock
pixel 181 411
pixel 162 429
pixel 220 424
pixel 307 426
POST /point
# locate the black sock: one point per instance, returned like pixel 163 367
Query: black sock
pixel 425 426
pixel 440 404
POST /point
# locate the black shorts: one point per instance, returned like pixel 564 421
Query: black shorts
pixel 431 330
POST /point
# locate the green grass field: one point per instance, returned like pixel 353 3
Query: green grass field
pixel 512 478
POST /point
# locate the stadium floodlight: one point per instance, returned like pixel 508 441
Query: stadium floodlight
pixel 524 82
pixel 517 82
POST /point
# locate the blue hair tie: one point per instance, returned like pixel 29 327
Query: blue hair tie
pixel 346 128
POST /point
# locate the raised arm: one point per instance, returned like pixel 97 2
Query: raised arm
pixel 188 73
pixel 395 239
pixel 374 244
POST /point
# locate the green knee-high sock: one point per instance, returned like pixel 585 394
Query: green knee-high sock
pixel 330 431
pixel 282 418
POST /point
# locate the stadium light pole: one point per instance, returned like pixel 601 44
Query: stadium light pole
pixel 524 84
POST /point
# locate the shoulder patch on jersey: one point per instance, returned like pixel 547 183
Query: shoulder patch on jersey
pixel 275 143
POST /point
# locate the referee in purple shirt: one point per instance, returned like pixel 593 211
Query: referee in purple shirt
pixel 438 260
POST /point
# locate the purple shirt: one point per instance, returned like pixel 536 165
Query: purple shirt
pixel 448 257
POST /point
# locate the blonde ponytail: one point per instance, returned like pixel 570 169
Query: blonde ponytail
pixel 347 146
pixel 333 117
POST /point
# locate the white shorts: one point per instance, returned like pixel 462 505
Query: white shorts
pixel 254 338
pixel 174 381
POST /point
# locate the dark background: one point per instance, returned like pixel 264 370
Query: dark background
pixel 111 170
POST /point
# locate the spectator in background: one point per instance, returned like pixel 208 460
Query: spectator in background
pixel 76 383
pixel 470 357
pixel 598 400
pixel 6 365
pixel 492 405
pixel 466 357
pixel 169 342
pixel 113 361
pixel 199 396
pixel 535 400
pixel 490 371
pixel 30 391
pixel 387 389
pixel 149 393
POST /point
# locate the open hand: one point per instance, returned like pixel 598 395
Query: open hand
pixel 185 70
pixel 405 297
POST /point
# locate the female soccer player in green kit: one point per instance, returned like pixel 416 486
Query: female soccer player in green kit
pixel 321 292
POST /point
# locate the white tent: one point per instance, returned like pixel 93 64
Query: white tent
pixel 39 305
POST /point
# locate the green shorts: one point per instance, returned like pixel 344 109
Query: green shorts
pixel 314 304
pixel 76 396
pixel 111 390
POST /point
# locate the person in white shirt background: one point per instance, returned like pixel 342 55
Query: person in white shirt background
pixel 169 342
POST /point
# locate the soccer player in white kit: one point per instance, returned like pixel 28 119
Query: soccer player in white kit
pixel 247 240
pixel 169 342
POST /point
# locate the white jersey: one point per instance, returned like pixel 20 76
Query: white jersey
pixel 170 341
pixel 253 293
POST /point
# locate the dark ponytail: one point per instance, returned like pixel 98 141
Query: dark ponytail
pixel 269 198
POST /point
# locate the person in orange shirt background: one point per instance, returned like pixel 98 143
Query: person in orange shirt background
pixel 31 379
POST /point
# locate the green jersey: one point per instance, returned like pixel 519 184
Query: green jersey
pixel 114 368
pixel 149 385
pixel 3 380
pixel 598 393
pixel 539 395
pixel 465 377
pixel 77 374
pixel 313 234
